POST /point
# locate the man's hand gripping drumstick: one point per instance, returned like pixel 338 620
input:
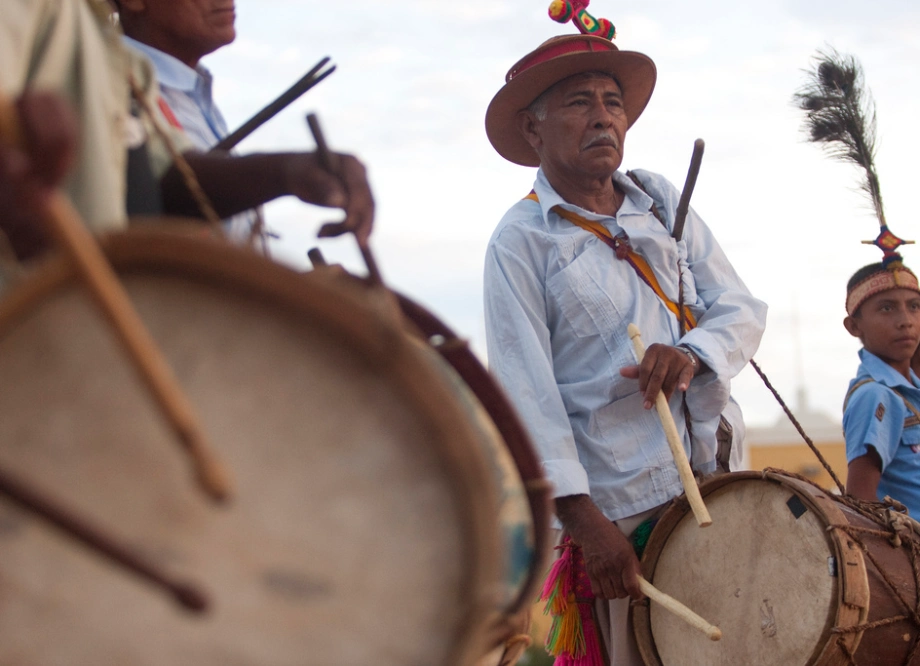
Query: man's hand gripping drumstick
pixel 682 381
pixel 611 562
pixel 63 223
pixel 358 203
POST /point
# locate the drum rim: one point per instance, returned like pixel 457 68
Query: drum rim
pixel 334 297
pixel 853 579
pixel 496 404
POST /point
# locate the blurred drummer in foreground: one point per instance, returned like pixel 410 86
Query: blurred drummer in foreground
pixel 121 165
pixel 567 269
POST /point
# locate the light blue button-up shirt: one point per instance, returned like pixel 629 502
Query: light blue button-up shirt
pixel 557 304
pixel 187 91
pixel 875 416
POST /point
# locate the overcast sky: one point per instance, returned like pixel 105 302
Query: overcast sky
pixel 409 96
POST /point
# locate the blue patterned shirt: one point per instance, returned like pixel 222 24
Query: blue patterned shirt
pixel 876 416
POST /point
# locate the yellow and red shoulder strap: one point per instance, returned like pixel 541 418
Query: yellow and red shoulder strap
pixel 623 251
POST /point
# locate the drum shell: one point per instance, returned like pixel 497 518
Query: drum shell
pixel 860 594
pixel 371 331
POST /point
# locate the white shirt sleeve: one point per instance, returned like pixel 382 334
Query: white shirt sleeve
pixel 520 356
pixel 729 332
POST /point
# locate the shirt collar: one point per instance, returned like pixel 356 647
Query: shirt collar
pixel 636 201
pixel 884 374
pixel 171 71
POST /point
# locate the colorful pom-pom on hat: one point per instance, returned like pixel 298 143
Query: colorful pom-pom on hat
pixel 576 11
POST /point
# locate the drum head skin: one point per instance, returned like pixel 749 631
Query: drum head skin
pixel 767 572
pixel 363 530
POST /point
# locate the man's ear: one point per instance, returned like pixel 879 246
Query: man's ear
pixel 852 326
pixel 527 124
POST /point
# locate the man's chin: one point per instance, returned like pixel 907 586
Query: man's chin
pixel 603 167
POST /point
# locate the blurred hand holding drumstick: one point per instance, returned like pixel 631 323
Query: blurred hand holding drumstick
pixel 356 201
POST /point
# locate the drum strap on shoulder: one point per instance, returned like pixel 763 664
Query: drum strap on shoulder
pixel 725 431
pixel 622 249
pixel 912 420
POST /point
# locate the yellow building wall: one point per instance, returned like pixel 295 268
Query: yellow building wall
pixel 800 459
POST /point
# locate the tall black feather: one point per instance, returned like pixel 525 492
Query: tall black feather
pixel 840 114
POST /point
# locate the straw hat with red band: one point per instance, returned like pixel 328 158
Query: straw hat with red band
pixel 554 60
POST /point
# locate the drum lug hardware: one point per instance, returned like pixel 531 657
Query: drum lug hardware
pixel 796 506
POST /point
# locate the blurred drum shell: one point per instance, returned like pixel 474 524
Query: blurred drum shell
pixel 255 344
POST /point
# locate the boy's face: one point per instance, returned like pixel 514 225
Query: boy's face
pixel 888 324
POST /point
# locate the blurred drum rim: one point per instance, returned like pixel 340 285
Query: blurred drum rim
pixel 333 297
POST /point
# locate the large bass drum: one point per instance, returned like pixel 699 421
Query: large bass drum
pixel 378 518
pixel 782 572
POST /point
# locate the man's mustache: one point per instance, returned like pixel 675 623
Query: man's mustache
pixel 605 138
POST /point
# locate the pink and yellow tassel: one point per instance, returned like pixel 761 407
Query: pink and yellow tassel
pixel 572 638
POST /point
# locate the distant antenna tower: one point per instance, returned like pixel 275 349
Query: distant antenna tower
pixel 799 358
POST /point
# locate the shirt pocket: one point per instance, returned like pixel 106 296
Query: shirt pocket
pixel 911 438
pixel 584 302
pixel 627 437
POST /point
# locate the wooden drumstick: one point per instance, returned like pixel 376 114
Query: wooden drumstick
pixel 691 489
pixel 68 229
pixel 77 526
pixel 326 161
pixel 672 605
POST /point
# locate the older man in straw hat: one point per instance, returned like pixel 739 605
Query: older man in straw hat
pixel 567 269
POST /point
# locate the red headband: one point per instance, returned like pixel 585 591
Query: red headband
pixel 884 280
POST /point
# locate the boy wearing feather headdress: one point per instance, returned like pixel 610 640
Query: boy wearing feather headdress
pixel 881 419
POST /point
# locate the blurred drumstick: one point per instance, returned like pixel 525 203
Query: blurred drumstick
pixel 94 537
pixel 316 257
pixel 326 161
pixel 672 605
pixel 72 235
pixel 691 489
pixel 306 82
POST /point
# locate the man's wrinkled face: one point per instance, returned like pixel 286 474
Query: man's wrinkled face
pixel 194 26
pixel 584 126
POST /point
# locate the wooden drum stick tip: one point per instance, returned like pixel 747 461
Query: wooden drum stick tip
pixel 215 479
pixel 673 606
pixel 191 598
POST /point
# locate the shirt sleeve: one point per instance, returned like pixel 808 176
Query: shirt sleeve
pixel 731 321
pixel 159 146
pixel 874 416
pixel 21 23
pixel 732 324
pixel 520 357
